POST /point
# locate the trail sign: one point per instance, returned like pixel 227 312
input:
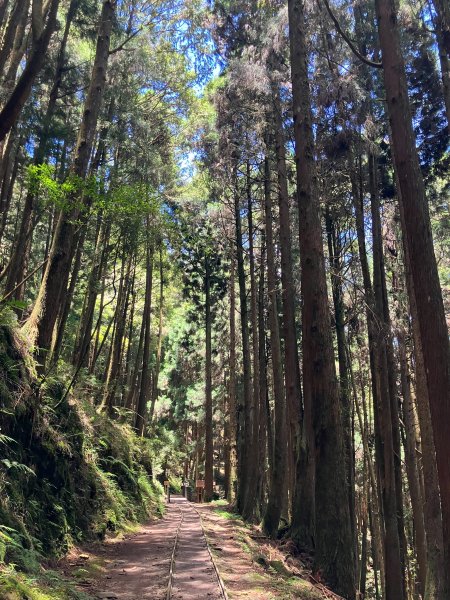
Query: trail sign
pixel 200 483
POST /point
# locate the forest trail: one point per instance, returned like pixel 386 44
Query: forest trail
pixel 194 576
pixel 139 566
pixel 171 558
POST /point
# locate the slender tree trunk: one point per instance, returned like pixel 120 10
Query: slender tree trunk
pixel 18 15
pixel 146 319
pixel 394 558
pixel 80 354
pixel 8 173
pixel 114 366
pixel 244 431
pixel 3 9
pixel 209 442
pixel 334 251
pixel 160 337
pixel 278 473
pixel 232 380
pixel 251 509
pixel 265 436
pixel 126 373
pixel 435 586
pixel 442 29
pixel 96 332
pixel 412 467
pixel 134 382
pixel 294 400
pixel 60 328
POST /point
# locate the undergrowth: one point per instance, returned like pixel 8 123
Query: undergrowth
pixel 67 474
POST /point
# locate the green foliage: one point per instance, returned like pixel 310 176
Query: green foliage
pixel 21 468
pixel 66 473
pixel 43 585
pixel 65 195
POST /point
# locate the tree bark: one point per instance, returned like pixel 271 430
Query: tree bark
pixel 416 229
pixel 334 251
pixel 39 326
pixel 17 16
pixel 232 381
pixel 251 509
pixel 155 379
pixel 274 506
pixel 209 442
pixel 80 353
pixel 24 238
pixel 15 103
pixel 140 419
pixel 114 366
pixel 387 415
pixel 334 557
pixel 412 467
pixel 244 429
pixel 442 29
pixel 294 400
pixel 435 586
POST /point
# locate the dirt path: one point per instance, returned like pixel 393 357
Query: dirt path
pixel 172 553
pixel 138 566
pixel 194 575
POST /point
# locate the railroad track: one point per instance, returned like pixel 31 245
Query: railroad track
pixel 186 511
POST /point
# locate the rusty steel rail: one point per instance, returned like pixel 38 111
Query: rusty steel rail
pixel 172 558
pixel 219 578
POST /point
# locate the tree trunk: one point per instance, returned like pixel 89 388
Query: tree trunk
pixel 157 368
pixel 251 509
pixel 412 467
pixel 114 366
pixel 335 251
pixel 80 353
pixel 39 326
pixel 3 8
pixel 291 359
pixel 265 434
pixel 278 473
pixel 146 320
pixel 244 429
pixel 17 16
pixel 388 417
pixel 24 238
pixel 232 382
pixel 334 557
pixel 209 442
pixel 60 328
pixel 442 30
pixel 416 228
pixel 15 103
pixel 435 586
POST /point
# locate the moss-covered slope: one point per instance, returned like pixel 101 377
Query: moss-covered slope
pixel 67 473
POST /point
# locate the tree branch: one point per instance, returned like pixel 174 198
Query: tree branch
pixel 128 39
pixel 350 44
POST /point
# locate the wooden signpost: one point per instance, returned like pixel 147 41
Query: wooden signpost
pixel 200 487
